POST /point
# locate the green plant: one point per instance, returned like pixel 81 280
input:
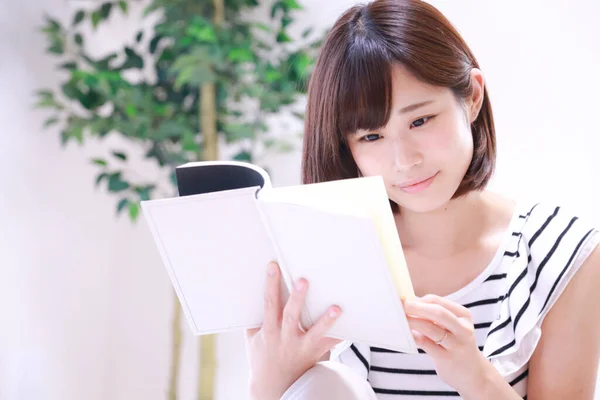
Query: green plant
pixel 205 72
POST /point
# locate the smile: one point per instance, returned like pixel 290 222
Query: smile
pixel 417 186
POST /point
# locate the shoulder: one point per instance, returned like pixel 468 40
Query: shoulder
pixel 570 330
pixel 560 248
pixel 554 243
pixel 552 223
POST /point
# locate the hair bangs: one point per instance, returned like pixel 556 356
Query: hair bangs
pixel 365 90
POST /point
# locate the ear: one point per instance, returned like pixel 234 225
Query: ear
pixel 476 98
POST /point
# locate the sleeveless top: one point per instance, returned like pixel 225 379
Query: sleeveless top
pixel 542 250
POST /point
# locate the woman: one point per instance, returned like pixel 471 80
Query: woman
pixel 503 289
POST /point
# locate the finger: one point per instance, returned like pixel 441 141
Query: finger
pixel 290 325
pixel 272 302
pixel 435 313
pixel 423 342
pixel 326 345
pixel 316 333
pixel 432 331
pixel 455 308
pixel 249 333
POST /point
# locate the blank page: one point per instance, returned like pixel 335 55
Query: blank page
pixel 216 250
pixel 361 197
pixel 343 260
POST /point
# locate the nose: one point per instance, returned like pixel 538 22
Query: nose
pixel 406 154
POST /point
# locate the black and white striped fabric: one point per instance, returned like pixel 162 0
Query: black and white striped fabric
pixel 543 249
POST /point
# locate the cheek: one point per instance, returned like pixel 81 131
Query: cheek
pixel 450 145
pixel 368 160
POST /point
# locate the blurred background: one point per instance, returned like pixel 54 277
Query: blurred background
pixel 98 103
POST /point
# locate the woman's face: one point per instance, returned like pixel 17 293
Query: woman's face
pixel 425 149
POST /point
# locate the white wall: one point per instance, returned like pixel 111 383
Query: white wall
pixel 84 301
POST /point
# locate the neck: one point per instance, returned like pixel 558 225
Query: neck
pixel 446 231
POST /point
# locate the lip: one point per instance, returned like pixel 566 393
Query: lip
pixel 417 185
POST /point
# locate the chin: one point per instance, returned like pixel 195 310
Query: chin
pixel 424 202
pixel 422 206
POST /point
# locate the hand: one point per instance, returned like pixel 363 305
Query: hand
pixel 279 351
pixel 445 331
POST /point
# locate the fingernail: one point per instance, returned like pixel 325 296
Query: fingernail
pixel 272 269
pixel 334 313
pixel 300 285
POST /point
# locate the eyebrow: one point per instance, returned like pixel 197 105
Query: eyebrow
pixel 414 107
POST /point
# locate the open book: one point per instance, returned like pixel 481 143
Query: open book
pixel 217 238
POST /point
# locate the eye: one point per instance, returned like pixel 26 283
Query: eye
pixel 371 137
pixel 420 122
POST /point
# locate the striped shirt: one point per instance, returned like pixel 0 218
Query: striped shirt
pixel 542 250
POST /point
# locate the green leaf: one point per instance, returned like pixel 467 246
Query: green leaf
pixel 99 161
pixel 283 37
pixel 79 16
pixel 101 177
pixel 105 10
pixel 116 184
pixel 243 156
pixel 53 24
pixel 144 191
pixel 272 75
pixel 234 132
pixel 301 65
pixel 73 131
pixel 240 55
pixel 263 27
pixel 91 81
pixel 291 5
pixel 203 33
pixel 96 18
pixel 173 178
pixel 130 110
pixel 286 21
pixel 172 129
pixel 134 209
pixel 44 93
pixel 70 90
pixel 154 43
pixel 50 121
pixel 78 39
pixel 189 141
pixel 70 65
pixel 122 204
pixel 123 6
pixel 139 36
pixel 276 7
pixel 48 101
pixel 120 155
pixel 184 77
pixel 152 7
pixel 133 60
pixel 307 32
pixel 57 48
pixel 192 69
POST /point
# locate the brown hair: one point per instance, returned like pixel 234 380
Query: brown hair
pixel 350 88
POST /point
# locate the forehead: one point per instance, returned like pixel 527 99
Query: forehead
pixel 407 89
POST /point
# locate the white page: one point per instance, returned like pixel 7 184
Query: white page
pixel 365 196
pixel 342 258
pixel 216 250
